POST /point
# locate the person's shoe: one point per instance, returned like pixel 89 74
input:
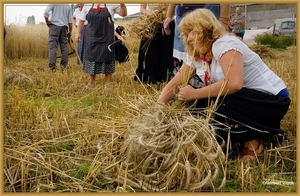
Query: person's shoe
pixel 251 150
pixel 63 68
pixel 51 69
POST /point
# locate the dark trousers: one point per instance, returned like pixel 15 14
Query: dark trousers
pixel 241 35
pixel 58 37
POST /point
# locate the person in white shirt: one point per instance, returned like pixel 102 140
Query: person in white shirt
pixel 58 18
pixel 80 45
pixel 251 99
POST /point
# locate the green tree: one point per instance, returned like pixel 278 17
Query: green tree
pixel 30 20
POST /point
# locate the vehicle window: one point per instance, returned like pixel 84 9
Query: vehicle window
pixel 291 25
pixel 284 25
pixel 288 25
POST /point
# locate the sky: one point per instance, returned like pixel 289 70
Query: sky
pixel 18 13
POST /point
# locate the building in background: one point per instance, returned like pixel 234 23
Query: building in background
pixel 258 16
pixel 262 16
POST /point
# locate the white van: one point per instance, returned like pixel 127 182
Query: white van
pixel 284 26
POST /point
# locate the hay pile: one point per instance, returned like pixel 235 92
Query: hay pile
pixel 146 26
pixel 16 77
pixel 167 150
pixel 262 50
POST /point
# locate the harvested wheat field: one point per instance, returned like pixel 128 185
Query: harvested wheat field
pixel 61 135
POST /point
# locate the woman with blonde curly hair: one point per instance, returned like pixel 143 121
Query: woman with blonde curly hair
pixel 252 99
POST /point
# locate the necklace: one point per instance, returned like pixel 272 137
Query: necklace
pixel 205 69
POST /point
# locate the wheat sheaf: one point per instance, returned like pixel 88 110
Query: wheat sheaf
pixel 167 150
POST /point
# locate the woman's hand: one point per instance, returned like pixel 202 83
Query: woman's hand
pixel 167 22
pixel 78 37
pixel 186 93
pixel 123 11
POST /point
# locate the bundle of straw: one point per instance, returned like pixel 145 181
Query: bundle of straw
pixel 16 76
pixel 146 26
pixel 167 150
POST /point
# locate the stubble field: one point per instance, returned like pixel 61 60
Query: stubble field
pixel 62 136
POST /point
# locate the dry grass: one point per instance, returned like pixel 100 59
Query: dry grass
pixel 61 136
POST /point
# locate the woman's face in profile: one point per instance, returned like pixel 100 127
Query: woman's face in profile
pixel 191 39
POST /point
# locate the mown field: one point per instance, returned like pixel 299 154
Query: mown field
pixel 62 136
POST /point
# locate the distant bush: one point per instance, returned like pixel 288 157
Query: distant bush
pixel 277 42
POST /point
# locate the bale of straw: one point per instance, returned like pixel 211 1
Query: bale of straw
pixel 16 77
pixel 167 150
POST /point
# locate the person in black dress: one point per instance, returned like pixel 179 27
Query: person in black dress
pixel 155 64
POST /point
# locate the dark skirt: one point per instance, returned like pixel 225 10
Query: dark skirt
pixel 156 63
pixel 94 68
pixel 248 114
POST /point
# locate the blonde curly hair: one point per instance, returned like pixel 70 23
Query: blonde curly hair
pixel 206 28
